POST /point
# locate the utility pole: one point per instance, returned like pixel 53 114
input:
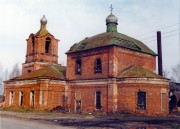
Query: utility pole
pixel 179 31
pixel 159 47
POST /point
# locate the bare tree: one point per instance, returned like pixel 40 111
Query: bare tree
pixel 166 74
pixel 15 71
pixel 176 73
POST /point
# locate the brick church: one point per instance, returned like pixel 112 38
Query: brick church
pixel 106 73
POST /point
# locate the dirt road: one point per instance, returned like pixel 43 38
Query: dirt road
pixel 80 121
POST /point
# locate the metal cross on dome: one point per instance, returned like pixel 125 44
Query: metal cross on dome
pixel 111 8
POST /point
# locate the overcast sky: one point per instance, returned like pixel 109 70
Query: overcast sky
pixel 70 21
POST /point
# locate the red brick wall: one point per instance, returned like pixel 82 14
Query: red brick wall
pixel 39 54
pixel 123 58
pixel 87 64
pixel 114 61
pixel 87 97
pixel 127 98
pixel 51 95
pixel 26 89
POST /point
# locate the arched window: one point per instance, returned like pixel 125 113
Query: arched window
pixel 98 100
pixel 47 45
pixel 97 66
pixel 141 102
pixel 78 66
pixel 33 45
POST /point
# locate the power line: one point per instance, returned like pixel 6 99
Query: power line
pixel 170 31
pixel 158 29
pixel 163 37
pixel 167 32
pixel 148 38
pixel 170 35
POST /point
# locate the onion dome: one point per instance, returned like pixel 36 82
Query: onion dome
pixel 43 20
pixel 111 19
pixel 111 22
pixel 43 31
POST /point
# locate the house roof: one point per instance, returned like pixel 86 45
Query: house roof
pixel 52 72
pixel 138 72
pixel 109 39
pixel 174 86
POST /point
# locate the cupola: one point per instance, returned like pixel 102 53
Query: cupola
pixel 111 22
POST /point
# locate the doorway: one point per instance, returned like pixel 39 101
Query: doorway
pixel 78 106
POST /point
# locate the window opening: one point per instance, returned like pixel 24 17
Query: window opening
pixel 11 98
pixel 32 98
pixel 141 101
pixel 78 66
pixel 21 98
pixel 98 100
pixel 98 66
pixel 29 71
pixel 33 45
pixel 47 45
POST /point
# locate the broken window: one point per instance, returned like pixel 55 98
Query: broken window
pixel 47 45
pixel 98 100
pixel 141 101
pixel 98 66
pixel 78 66
pixel 11 97
pixel 21 98
pixel 32 98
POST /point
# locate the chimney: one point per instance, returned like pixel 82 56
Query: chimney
pixel 160 67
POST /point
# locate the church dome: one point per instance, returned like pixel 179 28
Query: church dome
pixel 111 19
pixel 43 20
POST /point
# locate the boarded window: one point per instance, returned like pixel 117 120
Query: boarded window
pixel 11 97
pixel 98 100
pixel 47 45
pixel 97 66
pixel 141 101
pixel 21 94
pixel 78 66
pixel 32 98
pixel 163 102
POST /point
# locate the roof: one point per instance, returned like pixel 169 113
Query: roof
pixel 138 72
pixel 41 33
pixel 174 86
pixel 52 72
pixel 109 39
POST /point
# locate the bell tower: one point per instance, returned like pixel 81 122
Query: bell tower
pixel 42 49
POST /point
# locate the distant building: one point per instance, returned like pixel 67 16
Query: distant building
pixel 106 73
pixel 174 102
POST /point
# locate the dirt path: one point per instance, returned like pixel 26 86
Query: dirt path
pixel 121 121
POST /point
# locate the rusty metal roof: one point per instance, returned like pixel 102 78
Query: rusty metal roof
pixel 138 72
pixel 109 39
pixel 52 72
